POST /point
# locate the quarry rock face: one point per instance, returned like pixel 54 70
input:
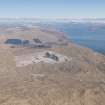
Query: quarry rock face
pixel 58 75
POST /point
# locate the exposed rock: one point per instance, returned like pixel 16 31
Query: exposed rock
pixel 37 40
pixel 52 56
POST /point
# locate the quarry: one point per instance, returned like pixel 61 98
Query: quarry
pixel 45 57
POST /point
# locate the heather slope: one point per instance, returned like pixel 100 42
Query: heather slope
pixel 78 80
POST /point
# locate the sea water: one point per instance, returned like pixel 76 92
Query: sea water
pixel 91 35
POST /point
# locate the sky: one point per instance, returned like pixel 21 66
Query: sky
pixel 52 8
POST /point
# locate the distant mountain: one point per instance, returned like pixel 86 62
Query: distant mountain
pixel 93 20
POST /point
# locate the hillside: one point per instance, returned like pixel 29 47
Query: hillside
pixel 60 74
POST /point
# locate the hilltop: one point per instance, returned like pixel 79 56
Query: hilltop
pixel 34 73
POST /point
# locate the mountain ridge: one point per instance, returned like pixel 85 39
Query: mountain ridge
pixel 80 80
